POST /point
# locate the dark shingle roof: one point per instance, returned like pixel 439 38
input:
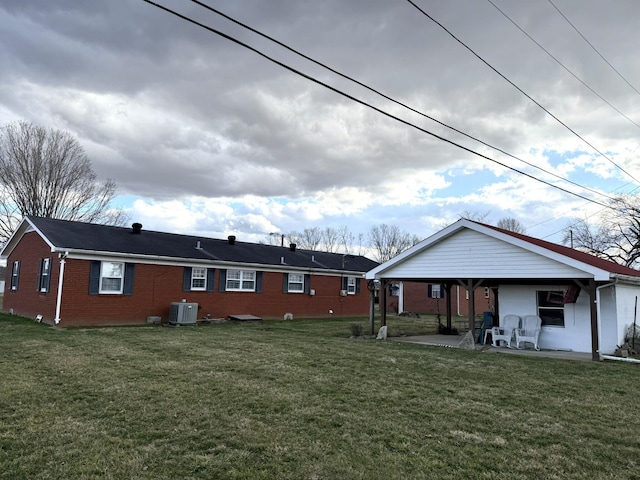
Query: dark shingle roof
pixel 65 234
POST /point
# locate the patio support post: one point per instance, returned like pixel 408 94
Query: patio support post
pixel 372 310
pixel 472 304
pixel 594 320
pixel 384 283
pixel 447 297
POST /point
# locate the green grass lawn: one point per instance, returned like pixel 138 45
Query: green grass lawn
pixel 301 400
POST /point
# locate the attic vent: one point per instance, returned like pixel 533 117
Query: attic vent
pixel 292 247
pixel 231 239
pixel 136 228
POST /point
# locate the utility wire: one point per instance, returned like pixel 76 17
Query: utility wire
pixel 594 48
pixel 362 102
pixel 563 65
pixel 519 89
pixel 386 97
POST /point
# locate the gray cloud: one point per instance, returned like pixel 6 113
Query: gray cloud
pixel 169 110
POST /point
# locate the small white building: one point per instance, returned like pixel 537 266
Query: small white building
pixel 586 303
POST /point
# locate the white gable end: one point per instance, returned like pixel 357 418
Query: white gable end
pixel 470 254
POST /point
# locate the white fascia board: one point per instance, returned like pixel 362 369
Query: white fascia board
pixel 378 272
pixel 598 274
pixel 24 227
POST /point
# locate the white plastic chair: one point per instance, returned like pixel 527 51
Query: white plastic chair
pixel 505 332
pixel 529 332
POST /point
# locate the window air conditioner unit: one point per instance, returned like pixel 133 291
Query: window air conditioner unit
pixel 183 313
pixel 343 293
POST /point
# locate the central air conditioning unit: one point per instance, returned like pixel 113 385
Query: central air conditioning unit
pixel 183 313
pixel 343 293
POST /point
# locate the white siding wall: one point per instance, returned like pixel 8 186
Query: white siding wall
pixel 469 254
pixel 576 333
pixel 608 320
pixel 625 301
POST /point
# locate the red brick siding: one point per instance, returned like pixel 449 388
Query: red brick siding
pixel 156 286
pixel 27 301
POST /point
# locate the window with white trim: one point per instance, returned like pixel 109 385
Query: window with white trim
pixel 45 270
pixel 111 277
pixel 241 280
pixel 198 278
pixel 351 285
pixel 551 308
pixel 15 273
pixel 296 283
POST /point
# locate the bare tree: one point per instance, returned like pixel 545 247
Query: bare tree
pixel 388 241
pixel 47 173
pixel 309 238
pixel 511 224
pixel 330 240
pixel 476 216
pixel 346 238
pixel 615 237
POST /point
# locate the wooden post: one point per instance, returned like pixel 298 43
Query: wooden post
pixel 372 314
pixel 447 293
pixel 594 321
pixel 472 305
pixel 383 301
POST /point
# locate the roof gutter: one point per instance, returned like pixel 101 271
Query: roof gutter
pixel 63 257
pixel 625 278
pixel 89 254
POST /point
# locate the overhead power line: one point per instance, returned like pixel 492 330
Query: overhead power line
pixel 362 102
pixel 563 65
pixel 387 97
pixel 594 48
pixel 503 76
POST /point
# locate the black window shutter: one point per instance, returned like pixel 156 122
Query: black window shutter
pixel 47 280
pixel 128 278
pixel 223 280
pixel 186 281
pixel 94 278
pixel 259 282
pixel 345 283
pixel 307 283
pixel 285 283
pixel 211 275
pixel 358 285
pixel 39 278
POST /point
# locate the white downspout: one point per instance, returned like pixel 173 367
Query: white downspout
pixel 598 312
pixel 401 298
pixel 60 282
pixel 458 298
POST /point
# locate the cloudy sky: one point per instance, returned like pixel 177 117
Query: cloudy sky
pixel 205 136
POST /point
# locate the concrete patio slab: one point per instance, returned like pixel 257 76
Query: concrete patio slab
pixel 452 341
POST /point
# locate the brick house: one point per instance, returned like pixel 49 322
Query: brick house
pixel 422 297
pixel 77 273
